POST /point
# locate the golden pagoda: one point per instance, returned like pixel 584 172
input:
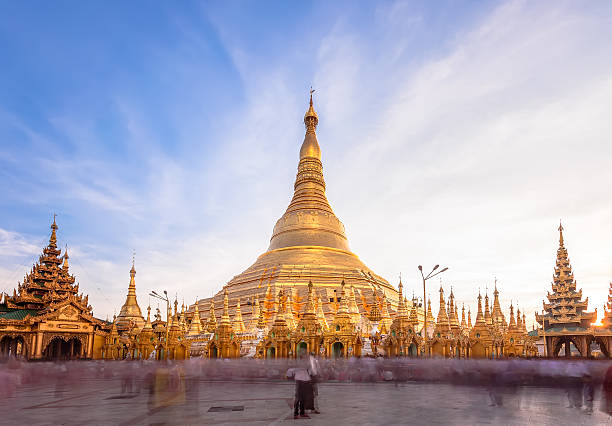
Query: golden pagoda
pixel 308 244
pixel 130 311
pixel 564 318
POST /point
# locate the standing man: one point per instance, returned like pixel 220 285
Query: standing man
pixel 303 387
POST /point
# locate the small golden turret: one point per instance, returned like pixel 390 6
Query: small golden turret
pixel 130 311
pixel 211 324
pixel 225 318
pixel 239 326
pixel 195 327
pixel 487 313
pixel 66 257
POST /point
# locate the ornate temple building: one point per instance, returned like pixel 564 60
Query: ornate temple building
pixel 46 317
pixel 130 315
pixel 310 293
pixel 565 321
pixel 132 337
pixel 308 244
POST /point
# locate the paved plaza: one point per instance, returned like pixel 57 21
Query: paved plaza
pixel 100 401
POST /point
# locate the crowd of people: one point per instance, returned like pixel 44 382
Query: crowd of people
pixel 167 381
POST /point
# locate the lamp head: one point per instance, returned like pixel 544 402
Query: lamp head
pixel 420 268
pixel 436 267
pixel 445 269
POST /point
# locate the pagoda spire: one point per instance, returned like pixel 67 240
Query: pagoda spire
pixel 211 324
pixel 469 320
pixel 53 237
pixel 442 324
pixel 301 224
pixel 239 326
pixel 497 315
pixel 463 323
pixel 512 325
pixel 225 319
pixel 65 266
pixel 196 325
pixel 401 306
pixel 147 326
pixel 130 311
pixel 487 313
pixel 479 317
pixel 414 319
pixel 442 314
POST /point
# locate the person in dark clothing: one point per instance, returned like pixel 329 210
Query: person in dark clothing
pixel 303 388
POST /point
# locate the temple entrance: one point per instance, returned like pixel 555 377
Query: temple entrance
pixel 271 352
pixel 302 348
pixel 478 351
pixel 566 347
pixel 412 350
pixel 12 346
pixel 337 350
pixel 214 353
pixel 60 349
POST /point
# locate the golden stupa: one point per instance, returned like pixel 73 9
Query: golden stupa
pixel 308 244
pixel 130 315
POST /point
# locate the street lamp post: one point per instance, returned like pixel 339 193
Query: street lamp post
pixel 425 278
pixel 165 299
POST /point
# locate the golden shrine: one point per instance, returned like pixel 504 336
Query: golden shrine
pixel 308 244
pixel 46 318
pixel 565 321
pixel 310 293
pixel 132 337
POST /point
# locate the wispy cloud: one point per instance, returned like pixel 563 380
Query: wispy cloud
pixel 459 141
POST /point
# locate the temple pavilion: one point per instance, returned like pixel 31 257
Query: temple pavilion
pixel 565 321
pixel 46 317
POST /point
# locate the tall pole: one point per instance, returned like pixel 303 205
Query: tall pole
pixel 425 278
pixel 425 319
pixel 167 300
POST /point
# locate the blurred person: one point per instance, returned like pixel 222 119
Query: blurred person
pixel 606 405
pixel 303 387
pixel 573 379
pixel 315 377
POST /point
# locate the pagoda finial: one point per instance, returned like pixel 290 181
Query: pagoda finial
pixel 311 119
pixel 53 238
pixel 66 257
pixel 560 233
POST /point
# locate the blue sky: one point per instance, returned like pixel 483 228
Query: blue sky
pixel 455 133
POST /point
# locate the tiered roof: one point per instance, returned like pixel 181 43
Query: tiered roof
pixel 49 282
pixel 565 308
